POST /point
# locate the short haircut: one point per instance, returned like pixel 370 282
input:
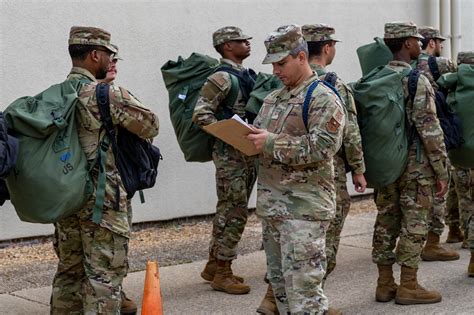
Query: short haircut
pixel 81 51
pixel 316 48
pixel 220 49
pixel 301 47
pixel 424 42
pixel 395 44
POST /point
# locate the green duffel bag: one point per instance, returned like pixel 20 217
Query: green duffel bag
pixel 51 178
pixel 183 80
pixel 382 122
pixel 264 85
pixel 461 99
pixel 373 55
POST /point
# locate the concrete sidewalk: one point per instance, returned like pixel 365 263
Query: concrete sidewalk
pixel 350 288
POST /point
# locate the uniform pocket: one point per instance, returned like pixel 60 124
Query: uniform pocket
pixel 303 251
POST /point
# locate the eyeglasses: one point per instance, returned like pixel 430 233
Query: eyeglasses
pixel 111 54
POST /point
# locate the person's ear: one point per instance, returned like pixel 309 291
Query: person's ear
pixel 94 55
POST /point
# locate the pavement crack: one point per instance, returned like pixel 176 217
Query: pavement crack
pixel 27 299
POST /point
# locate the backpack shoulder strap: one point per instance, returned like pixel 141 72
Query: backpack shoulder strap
pixel 413 77
pixel 331 78
pixel 233 93
pixel 307 100
pixel 103 102
pixel 434 67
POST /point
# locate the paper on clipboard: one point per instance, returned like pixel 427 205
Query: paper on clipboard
pixel 233 131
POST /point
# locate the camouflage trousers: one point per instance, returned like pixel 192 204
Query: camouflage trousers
pixel 403 209
pixel 235 178
pixel 453 215
pixel 91 268
pixel 464 190
pixel 296 264
pixel 440 210
pixel 343 204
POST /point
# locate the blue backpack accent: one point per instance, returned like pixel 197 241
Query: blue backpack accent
pixel 448 119
pixel 9 147
pixel 136 158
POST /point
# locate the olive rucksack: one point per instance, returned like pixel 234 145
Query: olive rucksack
pixel 460 98
pixel 51 178
pixel 264 84
pixel 382 121
pixel 373 55
pixel 183 80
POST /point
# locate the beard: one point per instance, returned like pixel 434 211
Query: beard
pixel 101 74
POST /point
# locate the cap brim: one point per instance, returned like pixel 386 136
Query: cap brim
pixel 441 37
pixel 111 48
pixel 271 58
pixel 243 37
pixel 418 35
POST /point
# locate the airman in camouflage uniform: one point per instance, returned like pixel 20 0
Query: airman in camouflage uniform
pixel 93 257
pixel 296 190
pixel 432 46
pixel 322 49
pixel 128 306
pixel 403 206
pixel 235 172
pixel 464 184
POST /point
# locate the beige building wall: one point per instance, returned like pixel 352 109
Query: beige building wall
pixel 33 56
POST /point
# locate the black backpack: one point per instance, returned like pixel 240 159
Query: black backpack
pixel 136 158
pixel 9 147
pixel 449 120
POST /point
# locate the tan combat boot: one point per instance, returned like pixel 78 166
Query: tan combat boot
pixel 225 281
pixel 455 234
pixel 434 252
pixel 470 268
pixel 128 306
pixel 210 270
pixel 464 244
pixel 268 305
pixel 333 311
pixel 410 292
pixel 386 286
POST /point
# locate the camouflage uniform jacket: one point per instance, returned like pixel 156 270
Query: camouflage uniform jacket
pixel 421 114
pixel 214 92
pixel 445 65
pixel 127 112
pixel 296 170
pixel 352 141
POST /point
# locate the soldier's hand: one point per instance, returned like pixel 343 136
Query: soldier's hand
pixel 359 182
pixel 441 188
pixel 258 137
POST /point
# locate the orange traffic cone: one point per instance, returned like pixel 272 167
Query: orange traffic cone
pixel 151 304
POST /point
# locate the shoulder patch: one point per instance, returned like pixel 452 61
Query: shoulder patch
pixel 125 94
pixel 221 80
pixel 335 122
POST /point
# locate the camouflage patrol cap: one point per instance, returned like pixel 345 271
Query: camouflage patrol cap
pixel 466 57
pixel 282 41
pixel 429 32
pixel 318 33
pixel 83 35
pixel 116 56
pixel 226 34
pixel 401 30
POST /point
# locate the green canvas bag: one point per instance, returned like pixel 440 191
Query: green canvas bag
pixel 264 84
pixel 382 121
pixel 460 99
pixel 373 55
pixel 51 178
pixel 183 80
